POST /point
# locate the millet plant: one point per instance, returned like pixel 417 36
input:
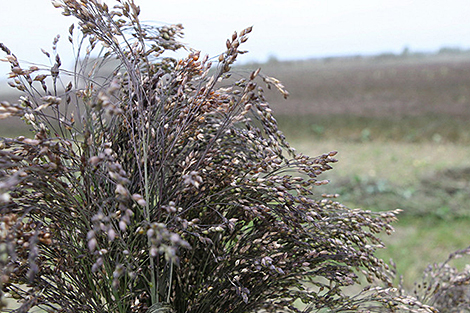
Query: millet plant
pixel 443 286
pixel 165 185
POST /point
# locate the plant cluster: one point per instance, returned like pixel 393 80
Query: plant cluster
pixel 443 286
pixel 166 186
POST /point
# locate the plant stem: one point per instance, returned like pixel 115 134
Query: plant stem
pixel 153 293
pixel 169 285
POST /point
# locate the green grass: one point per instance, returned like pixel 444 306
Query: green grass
pixel 429 128
pixel 418 243
pixel 384 175
pixel 399 163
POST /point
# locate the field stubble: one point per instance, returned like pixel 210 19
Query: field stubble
pixel 375 87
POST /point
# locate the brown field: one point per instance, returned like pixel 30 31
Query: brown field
pixel 375 87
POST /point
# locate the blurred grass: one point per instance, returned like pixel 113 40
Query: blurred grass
pixel 398 163
pixel 353 128
pixel 423 179
pixel 429 181
pixel 419 242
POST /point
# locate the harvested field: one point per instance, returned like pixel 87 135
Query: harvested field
pixel 375 87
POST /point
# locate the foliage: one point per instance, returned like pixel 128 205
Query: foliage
pixel 166 186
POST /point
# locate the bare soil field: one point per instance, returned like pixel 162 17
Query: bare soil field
pixel 374 87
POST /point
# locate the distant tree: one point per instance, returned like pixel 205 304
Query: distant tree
pixel 272 59
pixel 406 51
pixel 450 50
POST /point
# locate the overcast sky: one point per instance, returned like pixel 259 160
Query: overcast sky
pixel 288 29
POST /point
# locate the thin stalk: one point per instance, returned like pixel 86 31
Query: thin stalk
pixel 169 287
pixel 153 287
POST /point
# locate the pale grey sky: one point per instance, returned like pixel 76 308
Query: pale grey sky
pixel 287 29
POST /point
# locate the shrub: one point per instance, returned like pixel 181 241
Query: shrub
pixel 167 186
